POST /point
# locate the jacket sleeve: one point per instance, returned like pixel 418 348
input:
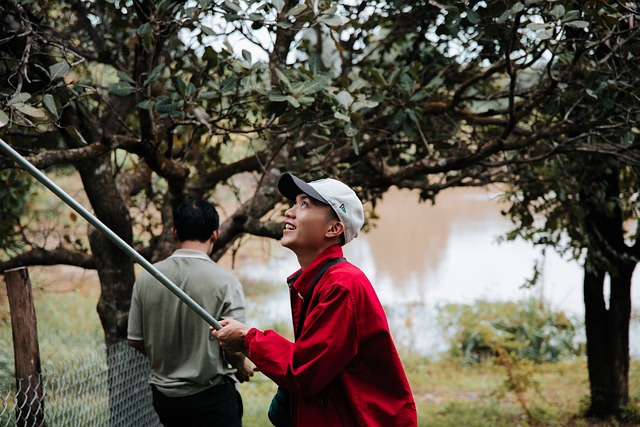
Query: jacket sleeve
pixel 329 340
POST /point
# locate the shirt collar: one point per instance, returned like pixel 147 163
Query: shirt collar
pixel 301 279
pixel 189 253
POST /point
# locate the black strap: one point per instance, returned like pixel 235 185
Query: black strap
pixel 307 295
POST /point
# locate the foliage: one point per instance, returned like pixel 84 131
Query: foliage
pixel 15 194
pixel 524 329
pixel 516 336
pixel 379 93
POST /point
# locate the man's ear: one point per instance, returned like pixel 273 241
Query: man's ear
pixel 335 230
pixel 215 235
pixel 174 234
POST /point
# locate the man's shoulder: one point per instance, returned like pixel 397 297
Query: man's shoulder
pixel 347 275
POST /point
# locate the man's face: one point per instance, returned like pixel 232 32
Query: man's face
pixel 306 223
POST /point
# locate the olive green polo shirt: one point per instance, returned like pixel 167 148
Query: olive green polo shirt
pixel 185 358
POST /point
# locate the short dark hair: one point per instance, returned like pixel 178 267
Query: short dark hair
pixel 195 219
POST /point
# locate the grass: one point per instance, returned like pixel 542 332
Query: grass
pixel 447 391
pixel 451 393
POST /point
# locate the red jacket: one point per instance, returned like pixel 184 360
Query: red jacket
pixel 343 369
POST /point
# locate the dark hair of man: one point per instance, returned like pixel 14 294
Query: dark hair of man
pixel 195 220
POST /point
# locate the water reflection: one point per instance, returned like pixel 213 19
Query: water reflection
pixel 419 256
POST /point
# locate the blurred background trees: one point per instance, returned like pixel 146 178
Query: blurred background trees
pixel 151 102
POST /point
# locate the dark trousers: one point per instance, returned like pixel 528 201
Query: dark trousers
pixel 218 406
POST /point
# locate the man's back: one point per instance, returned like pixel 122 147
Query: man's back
pixel 184 357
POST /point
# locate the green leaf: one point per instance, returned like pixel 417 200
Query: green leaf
pixel 350 130
pixel 394 75
pixel 345 99
pixel 277 97
pixel 191 12
pixel 333 20
pixel 315 64
pixel 517 8
pixel 166 106
pixel 558 11
pixel 503 18
pixel 473 17
pixel 19 98
pixel 144 29
pixel 147 42
pixel 59 70
pixel 154 75
pixel 397 119
pixel 297 9
pixel 246 55
pixel 359 105
pixel 278 4
pixel 207 31
pixel 534 26
pixel 293 101
pixel 207 95
pixel 232 6
pixel 377 74
pixel 30 110
pixel 545 35
pixel 181 86
pixel 571 15
pixel 4 119
pixel 50 104
pixel 121 88
pixel 125 77
pixel 354 144
pixel 283 78
pixel 419 96
pixel 406 83
pixel 191 89
pixel 306 100
pixel 312 86
pixel 284 24
pixel 147 104
pixel 76 135
pixel 577 24
pixel 338 115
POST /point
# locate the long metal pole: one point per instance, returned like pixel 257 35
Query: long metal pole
pixel 35 172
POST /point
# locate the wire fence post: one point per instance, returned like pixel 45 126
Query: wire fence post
pixel 29 394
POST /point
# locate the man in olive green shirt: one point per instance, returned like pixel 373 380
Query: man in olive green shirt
pixel 193 380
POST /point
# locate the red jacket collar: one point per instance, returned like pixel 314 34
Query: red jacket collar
pixel 301 279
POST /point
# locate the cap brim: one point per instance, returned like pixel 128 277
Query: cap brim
pixel 291 186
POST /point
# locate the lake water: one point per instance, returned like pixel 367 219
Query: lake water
pixel 419 256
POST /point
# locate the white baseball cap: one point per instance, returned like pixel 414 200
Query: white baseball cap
pixel 342 199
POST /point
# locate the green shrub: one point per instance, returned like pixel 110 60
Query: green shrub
pixel 525 329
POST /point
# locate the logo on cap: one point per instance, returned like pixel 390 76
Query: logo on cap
pixel 342 208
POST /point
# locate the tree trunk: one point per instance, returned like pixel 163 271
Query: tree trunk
pixel 115 268
pixel 607 332
pixel 607 328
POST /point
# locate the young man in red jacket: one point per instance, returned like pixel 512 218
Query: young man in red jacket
pixel 343 368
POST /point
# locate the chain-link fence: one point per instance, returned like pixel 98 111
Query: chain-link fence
pixel 105 388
